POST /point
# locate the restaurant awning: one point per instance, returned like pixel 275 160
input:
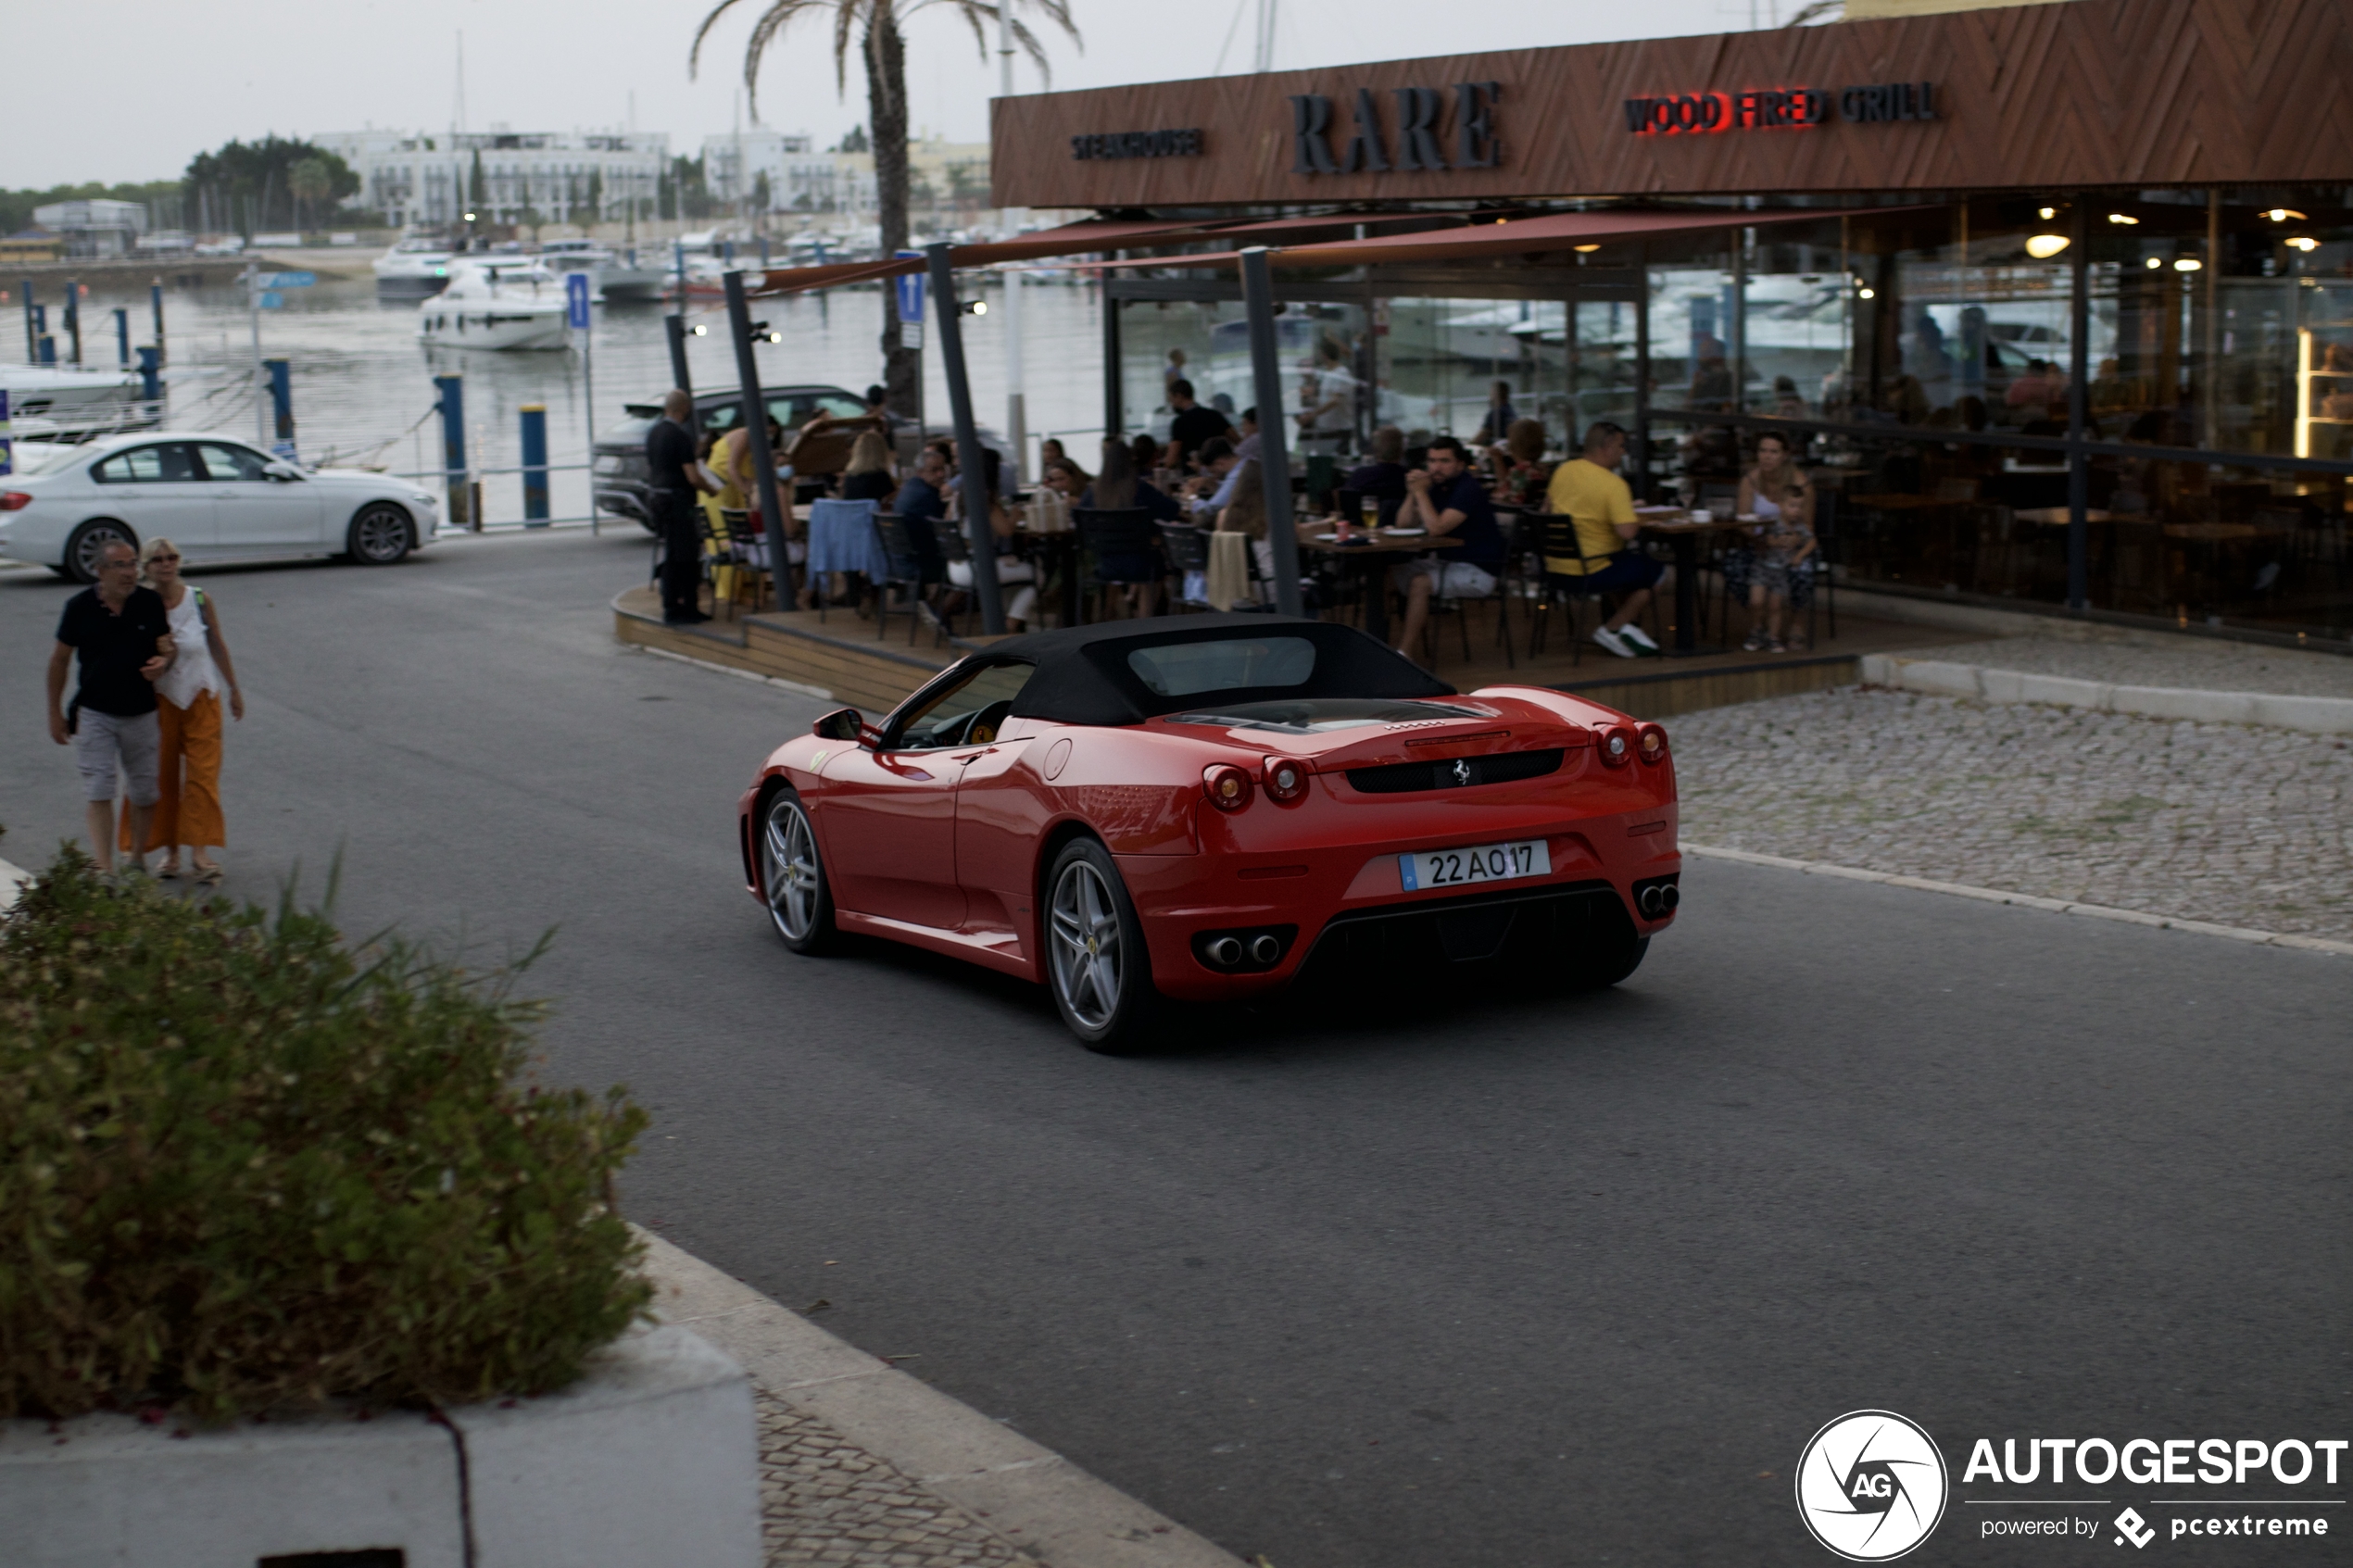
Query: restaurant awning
pixel 1070 239
pixel 1518 236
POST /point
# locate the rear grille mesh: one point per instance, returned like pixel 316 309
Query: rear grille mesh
pixel 1457 773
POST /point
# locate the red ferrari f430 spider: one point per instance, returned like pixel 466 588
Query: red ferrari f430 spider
pixel 1208 807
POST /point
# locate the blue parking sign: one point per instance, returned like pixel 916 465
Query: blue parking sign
pixel 576 300
pixel 911 292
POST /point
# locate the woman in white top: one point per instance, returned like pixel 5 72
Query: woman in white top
pixel 188 706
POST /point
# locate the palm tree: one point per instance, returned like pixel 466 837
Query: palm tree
pixel 882 48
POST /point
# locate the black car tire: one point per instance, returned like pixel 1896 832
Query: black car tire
pixel 380 534
pixel 85 543
pixel 1094 944
pixel 800 906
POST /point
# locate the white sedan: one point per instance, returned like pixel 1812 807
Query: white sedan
pixel 215 496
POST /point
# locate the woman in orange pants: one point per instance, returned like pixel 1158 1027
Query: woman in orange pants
pixel 188 706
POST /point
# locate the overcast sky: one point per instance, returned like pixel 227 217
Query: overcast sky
pixel 142 85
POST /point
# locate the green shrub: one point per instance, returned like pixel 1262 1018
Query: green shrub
pixel 243 1165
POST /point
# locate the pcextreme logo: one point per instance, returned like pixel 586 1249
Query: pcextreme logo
pixel 1871 1485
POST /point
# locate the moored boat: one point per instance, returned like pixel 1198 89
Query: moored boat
pixel 496 303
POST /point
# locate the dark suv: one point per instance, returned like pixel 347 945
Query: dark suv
pixel 617 463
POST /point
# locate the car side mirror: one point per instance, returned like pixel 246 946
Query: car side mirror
pixel 842 723
pixel 285 474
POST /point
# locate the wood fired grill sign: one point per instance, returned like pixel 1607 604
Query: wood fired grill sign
pixel 1772 108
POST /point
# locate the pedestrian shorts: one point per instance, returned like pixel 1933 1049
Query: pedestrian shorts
pixel 1627 571
pixel 1448 578
pixel 104 744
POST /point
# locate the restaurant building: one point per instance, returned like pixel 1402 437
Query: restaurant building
pixel 2058 299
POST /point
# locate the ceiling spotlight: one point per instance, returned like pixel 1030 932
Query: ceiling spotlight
pixel 1585 250
pixel 2305 242
pixel 470 217
pixel 2154 263
pixel 2042 247
pixel 1865 293
pixel 2187 264
pixel 2048 212
pixel 2283 214
pixel 2122 217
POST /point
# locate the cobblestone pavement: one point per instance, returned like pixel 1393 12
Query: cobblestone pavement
pixel 825 1501
pixel 2152 662
pixel 2229 823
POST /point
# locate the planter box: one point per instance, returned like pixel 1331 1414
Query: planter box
pixel 650 1458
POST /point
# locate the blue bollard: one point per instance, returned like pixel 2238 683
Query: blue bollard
pixel 48 348
pixel 154 304
pixel 31 326
pixel 452 390
pixel 151 379
pixel 534 465
pixel 73 317
pixel 763 253
pixel 122 338
pixel 281 403
pixel 8 442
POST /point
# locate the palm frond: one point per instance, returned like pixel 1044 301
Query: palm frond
pixel 694 55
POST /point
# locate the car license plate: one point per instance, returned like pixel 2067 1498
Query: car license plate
pixel 1462 868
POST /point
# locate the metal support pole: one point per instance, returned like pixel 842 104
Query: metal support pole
pixel 971 467
pixel 280 407
pixel 1642 379
pixel 31 326
pixel 1273 458
pixel 151 379
pixel 534 465
pixel 679 377
pixel 1114 413
pixel 1016 399
pixel 73 317
pixel 122 338
pixel 7 437
pixel 154 304
pixel 2079 418
pixel 755 424
pixel 253 308
pixel 452 390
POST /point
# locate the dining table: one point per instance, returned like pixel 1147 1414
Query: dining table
pixel 1682 531
pixel 1368 555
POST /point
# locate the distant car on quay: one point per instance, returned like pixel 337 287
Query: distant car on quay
pixel 219 498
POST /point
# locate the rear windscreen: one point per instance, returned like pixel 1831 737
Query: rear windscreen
pixel 1228 664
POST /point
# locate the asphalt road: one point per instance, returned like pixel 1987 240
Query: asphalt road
pixel 1457 1281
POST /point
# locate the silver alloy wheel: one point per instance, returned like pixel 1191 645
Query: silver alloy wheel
pixel 1088 965
pixel 89 547
pixel 789 868
pixel 380 534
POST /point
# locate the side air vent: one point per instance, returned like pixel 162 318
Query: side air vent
pixel 1457 773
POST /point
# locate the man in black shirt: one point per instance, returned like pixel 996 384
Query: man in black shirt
pixel 1193 424
pixel 676 478
pixel 123 634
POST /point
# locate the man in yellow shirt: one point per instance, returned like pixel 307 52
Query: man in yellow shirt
pixel 1600 507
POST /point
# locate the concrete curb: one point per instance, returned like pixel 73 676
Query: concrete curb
pixel 1033 1499
pixel 796 687
pixel 2319 715
pixel 2026 900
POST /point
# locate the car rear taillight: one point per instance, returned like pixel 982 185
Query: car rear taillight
pixel 1228 786
pixel 1649 741
pixel 1284 778
pixel 14 500
pixel 1617 745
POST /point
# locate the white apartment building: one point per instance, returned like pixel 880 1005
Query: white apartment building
pixel 418 179
pixel 800 179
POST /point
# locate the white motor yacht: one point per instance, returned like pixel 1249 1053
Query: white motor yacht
pixel 69 400
pixel 618 276
pixel 497 302
pixel 412 269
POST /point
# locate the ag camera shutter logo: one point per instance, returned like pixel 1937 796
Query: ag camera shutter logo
pixel 1871 1485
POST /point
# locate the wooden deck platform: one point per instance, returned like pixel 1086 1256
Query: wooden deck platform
pixel 841 656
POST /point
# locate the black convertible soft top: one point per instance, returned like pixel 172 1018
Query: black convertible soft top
pixel 1085 674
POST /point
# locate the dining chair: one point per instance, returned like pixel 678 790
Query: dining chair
pixel 1123 543
pixel 907 567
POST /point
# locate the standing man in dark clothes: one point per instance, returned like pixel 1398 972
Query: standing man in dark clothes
pixel 1194 424
pixel 676 480
pixel 123 634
